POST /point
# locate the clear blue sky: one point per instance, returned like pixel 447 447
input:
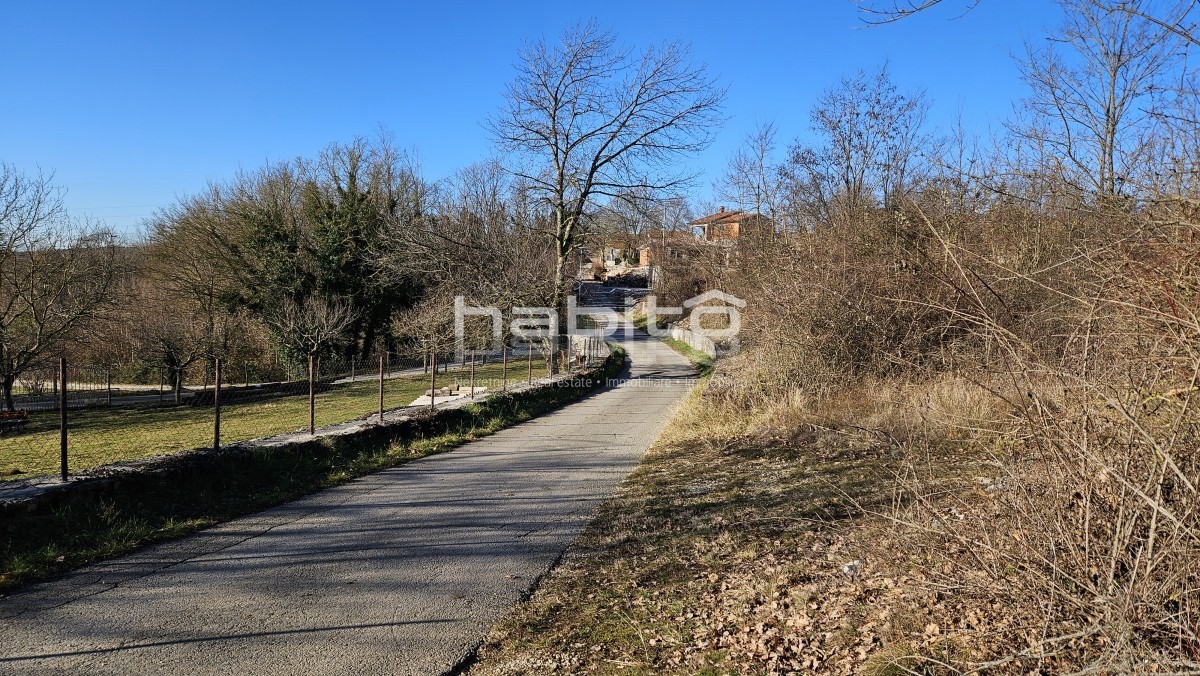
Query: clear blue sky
pixel 134 104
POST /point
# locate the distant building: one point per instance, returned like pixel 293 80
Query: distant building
pixel 613 251
pixel 662 245
pixel 731 226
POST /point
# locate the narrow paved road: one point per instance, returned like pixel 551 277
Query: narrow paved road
pixel 402 572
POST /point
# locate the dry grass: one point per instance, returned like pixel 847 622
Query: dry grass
pixel 1004 435
pixel 732 549
pixel 723 552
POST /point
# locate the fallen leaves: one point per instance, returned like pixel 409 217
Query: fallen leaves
pixel 761 571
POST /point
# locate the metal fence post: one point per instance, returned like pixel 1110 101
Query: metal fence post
pixel 504 369
pixel 433 379
pixel 472 376
pixel 62 414
pixel 217 405
pixel 108 386
pixel 381 360
pixel 530 363
pixel 312 395
pixel 160 384
pixel 567 352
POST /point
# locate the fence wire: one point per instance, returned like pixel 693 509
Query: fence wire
pixel 110 420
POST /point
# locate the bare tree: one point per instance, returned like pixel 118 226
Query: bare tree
pixel 168 335
pixel 313 326
pixel 430 323
pixel 329 228
pixel 1173 185
pixel 631 213
pixel 480 239
pixel 55 274
pixel 875 13
pixel 871 139
pixel 1090 106
pixel 1178 19
pixel 183 315
pixel 753 180
pixel 594 119
pixel 181 307
pixel 1112 110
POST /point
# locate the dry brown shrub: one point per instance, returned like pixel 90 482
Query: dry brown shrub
pixel 1055 352
pixel 1088 528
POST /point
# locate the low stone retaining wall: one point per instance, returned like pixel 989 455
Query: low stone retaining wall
pixel 696 341
pixel 37 493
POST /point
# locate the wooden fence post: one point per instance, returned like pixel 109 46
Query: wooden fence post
pixel 62 414
pixel 217 406
pixel 312 395
pixel 432 379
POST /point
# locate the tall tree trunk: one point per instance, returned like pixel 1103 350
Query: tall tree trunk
pixel 368 340
pixel 564 243
pixel 559 300
pixel 562 256
pixel 177 383
pixel 7 385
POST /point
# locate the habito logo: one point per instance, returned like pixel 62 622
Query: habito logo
pixel 714 321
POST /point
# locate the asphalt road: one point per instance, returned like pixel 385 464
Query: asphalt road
pixel 401 572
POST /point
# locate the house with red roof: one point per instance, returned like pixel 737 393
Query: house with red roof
pixel 730 226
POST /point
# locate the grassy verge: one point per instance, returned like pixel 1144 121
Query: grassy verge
pixel 702 362
pixel 99 436
pixel 736 546
pixel 142 510
pixel 641 321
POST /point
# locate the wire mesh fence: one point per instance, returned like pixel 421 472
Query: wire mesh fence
pixel 107 420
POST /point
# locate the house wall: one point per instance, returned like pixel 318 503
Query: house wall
pixel 720 232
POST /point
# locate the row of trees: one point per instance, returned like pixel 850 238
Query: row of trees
pixel 339 253
pixel 1109 118
pixel 354 251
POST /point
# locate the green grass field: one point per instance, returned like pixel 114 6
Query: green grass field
pixel 100 436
